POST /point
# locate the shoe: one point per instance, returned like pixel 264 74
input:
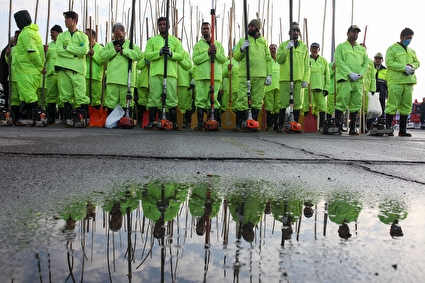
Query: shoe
pixel 353 133
pixel 270 129
pixel 176 127
pixel 391 135
pixel 237 128
pixel 150 126
pixel 198 128
pixel 404 134
pixel 320 130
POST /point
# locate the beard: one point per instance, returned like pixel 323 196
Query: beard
pixel 252 32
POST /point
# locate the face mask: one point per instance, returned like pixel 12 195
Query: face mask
pixel 406 42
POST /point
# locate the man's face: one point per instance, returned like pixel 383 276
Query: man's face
pixel 314 51
pixel 378 60
pixel 205 30
pixel 162 27
pixel 252 30
pixel 54 35
pixel 119 35
pixel 273 49
pixel 295 34
pixel 353 35
pixel 70 22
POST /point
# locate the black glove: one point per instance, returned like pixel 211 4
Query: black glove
pixel 165 51
pixel 325 93
pixel 372 92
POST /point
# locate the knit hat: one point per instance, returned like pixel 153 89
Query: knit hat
pixel 56 28
pixel 257 23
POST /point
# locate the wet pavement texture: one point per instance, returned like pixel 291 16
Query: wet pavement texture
pixel 287 207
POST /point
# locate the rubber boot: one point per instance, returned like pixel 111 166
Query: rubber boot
pixel 389 119
pixel 240 117
pixel 369 123
pixel 280 127
pixel 353 121
pixel 31 107
pixel 403 126
pixel 152 117
pixel 296 115
pixel 51 113
pixel 322 117
pixel 59 114
pixel 85 107
pixel 255 113
pixel 141 109
pixel 338 118
pixel 270 118
pixel 187 118
pixel 200 125
pixel 275 121
pixel 16 113
pixel 23 110
pixel 173 118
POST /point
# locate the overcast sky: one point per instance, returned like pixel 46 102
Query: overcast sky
pixel 384 20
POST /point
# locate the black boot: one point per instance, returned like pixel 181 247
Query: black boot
pixel 389 120
pixel 187 119
pixel 16 113
pixel 322 117
pixel 403 126
pixel 31 107
pixel 23 111
pixel 200 125
pixel 280 127
pixel 353 121
pixel 270 117
pixel 51 113
pixel 296 115
pixel 67 114
pixel 338 118
pixel 142 110
pixel 369 123
pixel 255 113
pixel 240 118
pixel 152 117
pixel 275 121
pixel 85 107
pixel 173 118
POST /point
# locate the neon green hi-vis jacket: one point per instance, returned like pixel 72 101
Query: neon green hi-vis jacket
pixel 397 58
pixel 51 56
pixel 154 45
pixel 202 60
pixel 319 74
pixel 301 69
pixel 260 60
pixel 97 64
pixel 72 50
pixel 350 59
pixel 117 64
pixel 28 54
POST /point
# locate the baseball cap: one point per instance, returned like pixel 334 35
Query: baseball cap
pixel 379 55
pixel 354 27
pixel 315 44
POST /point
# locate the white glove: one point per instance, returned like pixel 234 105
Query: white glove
pixel 304 84
pixel 245 44
pixel 409 70
pixel 290 44
pixel 268 80
pixel 354 77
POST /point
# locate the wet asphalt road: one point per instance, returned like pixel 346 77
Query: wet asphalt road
pixel 53 161
pixel 44 167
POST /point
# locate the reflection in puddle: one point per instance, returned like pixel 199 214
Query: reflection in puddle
pixel 246 232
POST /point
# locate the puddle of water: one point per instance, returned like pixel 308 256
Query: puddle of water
pixel 158 232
